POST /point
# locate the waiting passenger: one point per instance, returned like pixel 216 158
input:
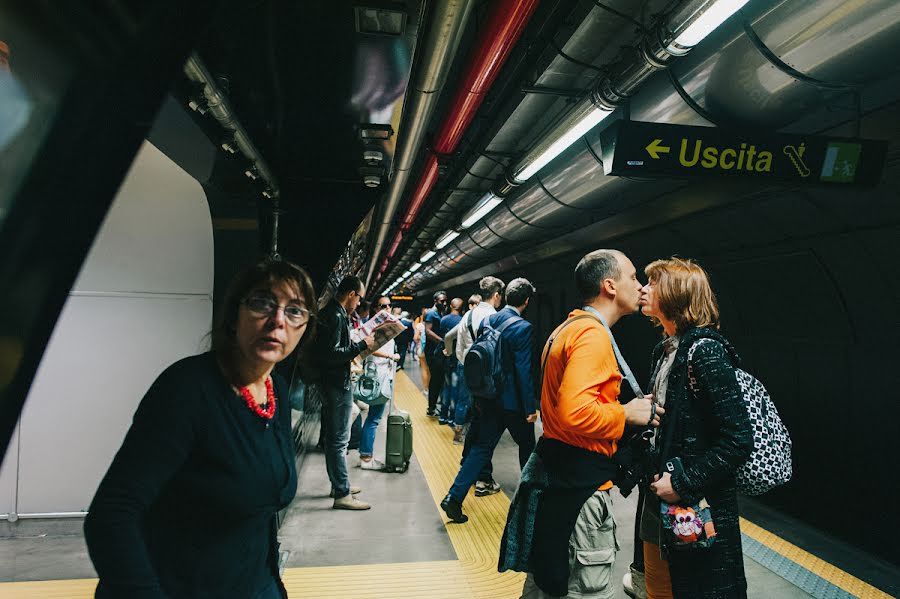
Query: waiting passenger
pixel 419 345
pixel 713 436
pixel 384 359
pixel 433 354
pixel 187 508
pixel 514 410
pixel 333 353
pixel 449 361
pixel 571 535
pixel 404 339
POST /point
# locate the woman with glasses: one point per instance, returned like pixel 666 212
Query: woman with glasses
pixel 384 360
pixel 187 508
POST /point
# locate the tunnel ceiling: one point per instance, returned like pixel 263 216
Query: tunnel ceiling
pixel 302 79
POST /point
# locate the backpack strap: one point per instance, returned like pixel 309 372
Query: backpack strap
pixel 506 323
pixel 553 337
pixel 469 325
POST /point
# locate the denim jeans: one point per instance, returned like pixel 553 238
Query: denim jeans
pixel 337 409
pixel 492 422
pixel 448 393
pixel 370 427
pixel 462 400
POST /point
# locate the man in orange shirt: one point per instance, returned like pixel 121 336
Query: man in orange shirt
pixel 583 422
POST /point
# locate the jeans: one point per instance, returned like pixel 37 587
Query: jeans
pixel 462 399
pixel 436 368
pixel 487 472
pixel 493 421
pixel 336 410
pixel 370 427
pixel 448 395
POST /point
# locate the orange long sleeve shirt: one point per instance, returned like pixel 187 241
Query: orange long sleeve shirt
pixel 579 395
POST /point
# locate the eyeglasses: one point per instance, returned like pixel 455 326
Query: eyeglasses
pixel 296 316
pixel 388 305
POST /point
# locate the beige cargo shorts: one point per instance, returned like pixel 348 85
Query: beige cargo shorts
pixel 592 552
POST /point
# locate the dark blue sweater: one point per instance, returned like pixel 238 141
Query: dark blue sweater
pixel 187 508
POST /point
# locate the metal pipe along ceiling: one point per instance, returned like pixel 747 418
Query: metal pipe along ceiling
pixel 737 83
pixel 505 24
pixel 448 21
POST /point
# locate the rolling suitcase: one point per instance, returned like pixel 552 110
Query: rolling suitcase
pixel 399 442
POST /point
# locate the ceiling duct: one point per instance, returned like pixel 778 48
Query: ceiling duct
pixel 801 35
pixel 220 107
pixel 448 20
pixel 505 23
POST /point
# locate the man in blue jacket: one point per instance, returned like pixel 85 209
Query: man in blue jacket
pixel 516 408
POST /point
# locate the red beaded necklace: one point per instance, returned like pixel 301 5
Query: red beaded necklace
pixel 255 407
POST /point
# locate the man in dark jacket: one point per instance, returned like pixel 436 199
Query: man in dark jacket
pixel 516 408
pixel 334 352
pixel 435 359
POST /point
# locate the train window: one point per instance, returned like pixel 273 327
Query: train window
pixel 33 79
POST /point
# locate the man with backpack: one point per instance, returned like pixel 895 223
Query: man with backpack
pixel 498 373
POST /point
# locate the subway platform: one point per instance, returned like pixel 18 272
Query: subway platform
pixel 405 547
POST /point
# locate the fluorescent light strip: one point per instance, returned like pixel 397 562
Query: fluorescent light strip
pixel 415 267
pixel 481 209
pixel 567 139
pixel 407 273
pixel 707 22
pixel 445 239
pixel 427 256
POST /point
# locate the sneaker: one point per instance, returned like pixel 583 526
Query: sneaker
pixel 453 509
pixel 483 489
pixel 350 503
pixel 458 438
pixel 353 491
pixel 372 464
pixel 431 413
pixel 634 585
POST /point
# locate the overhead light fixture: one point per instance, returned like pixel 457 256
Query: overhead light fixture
pixel 407 273
pixel 375 131
pixel 415 267
pixel 375 20
pixel 484 205
pixel 427 256
pixel 717 11
pixel 445 239
pixel 570 135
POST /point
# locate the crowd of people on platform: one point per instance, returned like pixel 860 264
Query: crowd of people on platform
pixel 212 434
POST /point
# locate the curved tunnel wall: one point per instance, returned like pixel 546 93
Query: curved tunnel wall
pixel 808 289
pixel 142 300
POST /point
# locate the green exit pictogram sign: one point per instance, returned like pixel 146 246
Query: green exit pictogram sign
pixel 658 150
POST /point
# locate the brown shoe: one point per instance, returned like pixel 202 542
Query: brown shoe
pixel 350 503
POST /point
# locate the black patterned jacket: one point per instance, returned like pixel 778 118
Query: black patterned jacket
pixel 712 434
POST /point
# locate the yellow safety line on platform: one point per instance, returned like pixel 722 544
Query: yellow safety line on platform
pixel 817 566
pixel 477 543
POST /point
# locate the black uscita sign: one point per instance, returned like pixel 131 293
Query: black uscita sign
pixel 658 150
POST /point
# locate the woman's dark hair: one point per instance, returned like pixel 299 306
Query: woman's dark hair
pixel 262 275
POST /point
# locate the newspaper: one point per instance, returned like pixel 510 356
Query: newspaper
pixel 383 326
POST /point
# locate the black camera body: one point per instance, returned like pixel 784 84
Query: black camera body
pixel 637 461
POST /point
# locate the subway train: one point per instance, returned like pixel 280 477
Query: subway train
pixel 148 152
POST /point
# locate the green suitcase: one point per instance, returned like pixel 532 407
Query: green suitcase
pixel 399 441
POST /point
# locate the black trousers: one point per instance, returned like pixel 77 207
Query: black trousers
pixel 487 473
pixel 436 384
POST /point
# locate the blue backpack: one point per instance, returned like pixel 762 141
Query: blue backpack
pixel 483 367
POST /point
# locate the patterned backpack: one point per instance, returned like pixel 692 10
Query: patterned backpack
pixel 770 463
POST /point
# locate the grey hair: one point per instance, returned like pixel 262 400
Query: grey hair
pixel 593 269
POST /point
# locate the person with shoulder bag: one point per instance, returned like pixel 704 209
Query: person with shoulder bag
pixel 384 361
pixel 689 520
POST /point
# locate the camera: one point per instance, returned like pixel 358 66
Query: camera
pixel 637 460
